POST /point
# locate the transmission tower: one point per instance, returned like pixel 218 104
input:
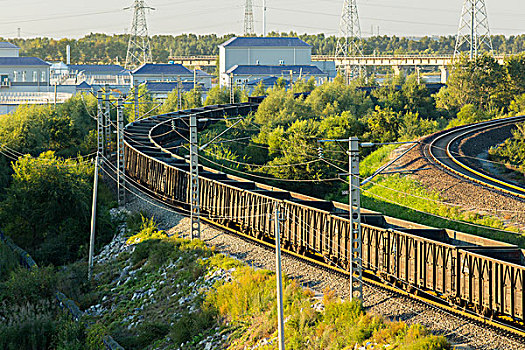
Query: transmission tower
pixel 349 42
pixel 139 48
pixel 248 18
pixel 474 33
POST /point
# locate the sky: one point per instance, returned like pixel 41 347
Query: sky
pixel 76 18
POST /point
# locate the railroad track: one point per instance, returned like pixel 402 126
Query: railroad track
pixel 444 151
pixel 478 278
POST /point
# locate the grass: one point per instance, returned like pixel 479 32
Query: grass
pixel 248 304
pixel 243 307
pixel 403 197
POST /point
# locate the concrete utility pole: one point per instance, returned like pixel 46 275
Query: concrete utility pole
pixel 349 42
pixel 107 122
pixel 179 93
pixel 100 124
pixel 93 220
pixel 232 89
pixel 195 231
pixel 100 149
pixel 474 32
pixel 121 181
pixel 139 48
pixel 354 210
pixel 279 277
pixel 136 97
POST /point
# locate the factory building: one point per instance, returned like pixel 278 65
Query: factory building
pixel 255 58
pixel 21 74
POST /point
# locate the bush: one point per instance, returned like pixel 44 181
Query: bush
pixel 30 326
pixel 47 209
pixel 8 261
pixel 193 324
pixel 29 286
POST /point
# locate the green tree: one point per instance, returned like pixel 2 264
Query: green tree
pixel 384 125
pixel 515 68
pixel 147 104
pixel 469 114
pixel 480 82
pixel 259 90
pixel 64 129
pixel 47 208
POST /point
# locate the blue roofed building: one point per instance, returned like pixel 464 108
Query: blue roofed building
pixel 243 75
pixel 161 72
pixel 247 59
pixel 9 50
pixel 23 74
pixel 161 89
pixel 99 74
pixel 269 56
pixel 170 72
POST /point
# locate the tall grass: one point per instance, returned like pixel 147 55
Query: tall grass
pixel 248 305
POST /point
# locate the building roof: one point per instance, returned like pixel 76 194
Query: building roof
pixel 264 42
pixel 6 45
pixel 22 61
pixel 98 69
pixel 84 86
pixel 203 74
pixel 268 81
pixel 162 69
pixel 159 87
pixel 274 70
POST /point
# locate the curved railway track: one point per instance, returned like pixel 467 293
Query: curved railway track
pixel 471 276
pixel 444 151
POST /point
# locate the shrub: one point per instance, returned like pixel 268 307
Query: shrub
pixel 29 286
pixel 30 326
pixel 47 209
pixel 191 325
pixel 8 261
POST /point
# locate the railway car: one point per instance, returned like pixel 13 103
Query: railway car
pixel 474 273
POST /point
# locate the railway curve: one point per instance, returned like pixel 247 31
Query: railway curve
pixel 475 277
pixel 443 149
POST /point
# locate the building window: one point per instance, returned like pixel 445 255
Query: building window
pixel 35 76
pixel 24 73
pixel 15 76
pixel 43 77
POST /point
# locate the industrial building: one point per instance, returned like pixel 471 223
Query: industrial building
pixel 21 74
pixel 245 59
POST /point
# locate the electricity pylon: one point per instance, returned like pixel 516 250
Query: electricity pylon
pixel 473 33
pixel 139 48
pixel 349 42
pixel 248 18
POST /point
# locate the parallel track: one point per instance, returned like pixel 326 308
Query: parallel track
pixel 442 151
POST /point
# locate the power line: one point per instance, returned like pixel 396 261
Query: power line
pixel 473 33
pixel 139 47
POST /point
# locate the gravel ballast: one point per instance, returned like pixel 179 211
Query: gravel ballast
pixel 460 332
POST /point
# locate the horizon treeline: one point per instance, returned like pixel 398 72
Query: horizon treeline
pixel 103 48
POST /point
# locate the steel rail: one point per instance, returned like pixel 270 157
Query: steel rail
pixel 440 152
pixel 428 297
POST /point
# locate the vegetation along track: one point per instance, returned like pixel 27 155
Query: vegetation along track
pixel 442 149
pixel 476 277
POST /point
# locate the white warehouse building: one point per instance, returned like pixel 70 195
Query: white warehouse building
pixel 270 56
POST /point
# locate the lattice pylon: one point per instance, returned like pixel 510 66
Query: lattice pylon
pixel 248 18
pixel 474 32
pixel 349 42
pixel 139 47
